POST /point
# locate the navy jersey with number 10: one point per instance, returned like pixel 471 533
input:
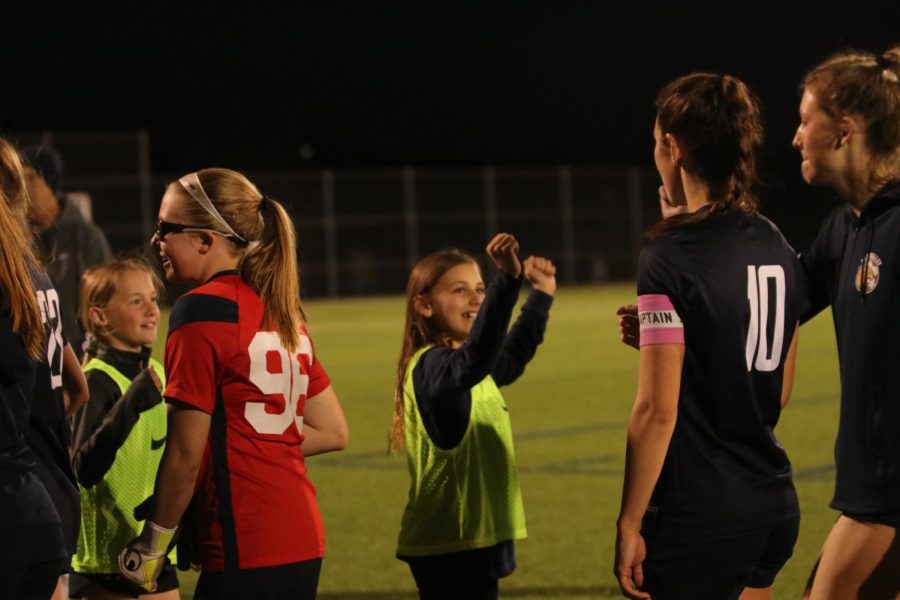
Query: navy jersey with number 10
pixel 253 504
pixel 729 288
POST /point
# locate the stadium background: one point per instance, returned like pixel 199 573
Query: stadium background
pixel 393 129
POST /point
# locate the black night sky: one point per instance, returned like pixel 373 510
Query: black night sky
pixel 341 84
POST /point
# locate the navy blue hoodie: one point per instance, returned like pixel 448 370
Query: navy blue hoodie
pixel 854 266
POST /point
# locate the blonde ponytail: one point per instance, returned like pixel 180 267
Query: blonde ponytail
pixel 271 269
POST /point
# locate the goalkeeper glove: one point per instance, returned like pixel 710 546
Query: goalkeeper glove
pixel 144 558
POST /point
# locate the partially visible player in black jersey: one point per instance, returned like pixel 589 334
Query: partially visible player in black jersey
pixel 709 508
pixel 32 551
pixel 49 434
pixel 849 138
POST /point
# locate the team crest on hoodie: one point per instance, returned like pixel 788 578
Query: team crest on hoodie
pixel 870 269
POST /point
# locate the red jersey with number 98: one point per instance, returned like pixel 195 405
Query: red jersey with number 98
pixel 253 504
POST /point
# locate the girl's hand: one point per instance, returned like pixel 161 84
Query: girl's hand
pixel 541 274
pixel 145 391
pixel 629 566
pixel 503 250
pixel 629 326
pixel 667 207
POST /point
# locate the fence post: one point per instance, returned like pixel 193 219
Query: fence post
pixel 635 213
pixel 489 177
pixel 566 216
pixel 329 224
pixel 411 217
pixel 145 182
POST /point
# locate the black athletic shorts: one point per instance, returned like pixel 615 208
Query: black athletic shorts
pixel 66 501
pixel 294 581
pixel 470 574
pixel 889 519
pixel 35 582
pixel 718 569
pixel 432 587
pixel 115 583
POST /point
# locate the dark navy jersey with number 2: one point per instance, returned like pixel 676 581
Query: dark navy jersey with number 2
pixel 729 288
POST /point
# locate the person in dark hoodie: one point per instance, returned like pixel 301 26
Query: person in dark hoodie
pixel 849 138
pixel 67 242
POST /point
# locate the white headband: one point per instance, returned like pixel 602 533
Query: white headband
pixel 191 182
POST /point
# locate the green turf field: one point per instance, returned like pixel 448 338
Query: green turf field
pixel 569 413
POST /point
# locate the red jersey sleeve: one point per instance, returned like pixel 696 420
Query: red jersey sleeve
pixel 318 378
pixel 202 330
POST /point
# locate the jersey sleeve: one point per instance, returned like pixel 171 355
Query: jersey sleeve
pixel 318 378
pixel 447 372
pixel 105 424
pixel 664 289
pixel 821 264
pixel 523 338
pixel 202 330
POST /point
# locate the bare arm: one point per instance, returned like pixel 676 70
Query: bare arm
pixel 790 362
pixel 629 326
pixel 324 426
pixel 185 443
pixel 75 387
pixel 649 433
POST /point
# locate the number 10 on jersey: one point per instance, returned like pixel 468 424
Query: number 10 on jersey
pixel 759 280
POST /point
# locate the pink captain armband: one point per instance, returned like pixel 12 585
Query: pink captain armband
pixel 660 324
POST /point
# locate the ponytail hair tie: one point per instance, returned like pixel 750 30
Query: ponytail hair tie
pixel 268 216
pixel 887 66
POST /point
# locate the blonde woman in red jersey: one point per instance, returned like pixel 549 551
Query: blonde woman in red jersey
pixel 249 398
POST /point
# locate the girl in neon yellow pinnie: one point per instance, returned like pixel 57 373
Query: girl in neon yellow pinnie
pixel 465 504
pixel 121 433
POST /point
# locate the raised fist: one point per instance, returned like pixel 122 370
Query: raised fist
pixel 503 250
pixel 541 274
